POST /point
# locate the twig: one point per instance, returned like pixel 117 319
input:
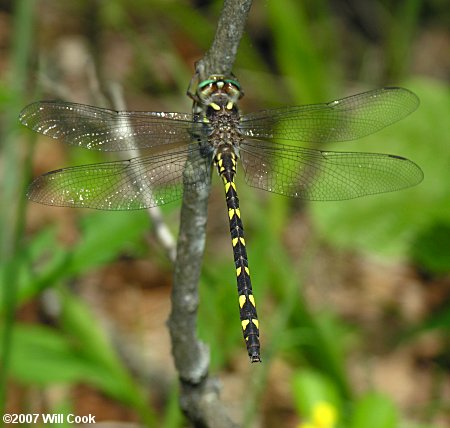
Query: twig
pixel 200 394
pixel 220 57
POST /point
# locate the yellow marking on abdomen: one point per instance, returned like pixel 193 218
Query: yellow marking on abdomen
pixel 215 106
pixel 244 324
pixel 256 322
pixel 242 241
pixel 234 241
pixel 252 300
pixel 238 271
pixel 247 271
pixel 228 183
pixel 242 300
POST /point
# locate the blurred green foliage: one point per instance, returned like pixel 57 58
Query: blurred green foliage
pixel 306 55
pixel 431 248
pixel 78 352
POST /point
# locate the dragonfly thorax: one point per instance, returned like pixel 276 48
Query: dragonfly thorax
pixel 224 127
pixel 216 99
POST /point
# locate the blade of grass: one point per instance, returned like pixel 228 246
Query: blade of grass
pixel 12 214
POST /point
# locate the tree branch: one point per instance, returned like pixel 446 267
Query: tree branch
pixel 221 55
pixel 200 394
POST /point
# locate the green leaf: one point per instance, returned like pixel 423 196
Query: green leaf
pixel 45 356
pixel 301 51
pixel 374 410
pixel 106 234
pixel 311 388
pixel 431 249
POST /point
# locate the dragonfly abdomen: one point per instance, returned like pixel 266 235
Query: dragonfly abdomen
pixel 226 164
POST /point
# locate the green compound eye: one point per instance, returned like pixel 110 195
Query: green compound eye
pixel 233 82
pixel 207 82
pixel 201 85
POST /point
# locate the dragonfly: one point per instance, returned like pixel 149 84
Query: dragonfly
pixel 216 134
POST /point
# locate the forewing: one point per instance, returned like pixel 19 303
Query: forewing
pixel 106 130
pixel 324 175
pixel 342 120
pixel 123 185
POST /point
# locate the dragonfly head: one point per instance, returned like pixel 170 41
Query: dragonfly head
pixel 219 92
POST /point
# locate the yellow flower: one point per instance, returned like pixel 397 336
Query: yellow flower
pixel 324 415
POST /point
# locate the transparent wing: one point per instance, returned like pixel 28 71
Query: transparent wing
pixel 106 130
pixel 324 175
pixel 123 185
pixel 342 120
